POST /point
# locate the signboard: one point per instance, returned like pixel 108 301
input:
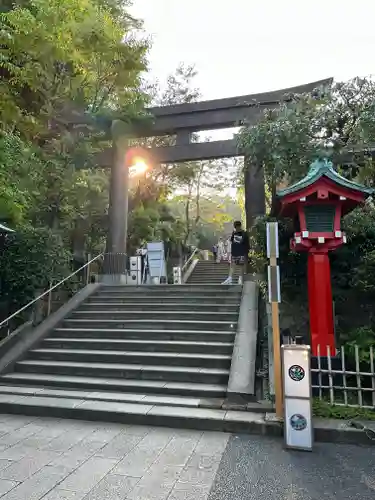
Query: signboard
pixel 274 293
pixel 156 260
pixel 298 429
pixel 272 240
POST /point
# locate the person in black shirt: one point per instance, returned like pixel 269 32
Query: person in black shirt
pixel 239 253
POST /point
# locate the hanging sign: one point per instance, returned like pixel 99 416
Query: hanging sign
pixel 298 429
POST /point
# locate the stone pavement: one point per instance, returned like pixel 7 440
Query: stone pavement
pixel 53 459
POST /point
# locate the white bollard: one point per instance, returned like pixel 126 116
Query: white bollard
pixel 298 426
pixel 177 277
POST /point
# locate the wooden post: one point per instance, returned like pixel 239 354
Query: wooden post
pixel 274 298
pixel 277 359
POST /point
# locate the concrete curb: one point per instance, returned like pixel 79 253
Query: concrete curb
pixel 242 370
pixel 236 422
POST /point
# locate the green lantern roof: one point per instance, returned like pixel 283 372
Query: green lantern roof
pixel 323 168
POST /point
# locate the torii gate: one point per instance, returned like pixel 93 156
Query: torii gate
pixel 182 120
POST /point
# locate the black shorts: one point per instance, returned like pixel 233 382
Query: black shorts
pixel 239 260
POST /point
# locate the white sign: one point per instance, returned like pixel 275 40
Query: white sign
pixel 298 430
pixel 272 232
pixel 297 424
pixel 297 379
pixel 274 292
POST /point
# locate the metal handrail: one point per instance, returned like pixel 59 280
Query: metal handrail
pixel 189 259
pixel 5 321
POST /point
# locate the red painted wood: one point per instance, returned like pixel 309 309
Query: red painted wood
pixel 320 304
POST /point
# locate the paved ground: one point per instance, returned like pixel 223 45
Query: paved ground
pixel 258 468
pixel 53 459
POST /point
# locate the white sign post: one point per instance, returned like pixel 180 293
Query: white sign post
pixel 298 428
pixel 177 276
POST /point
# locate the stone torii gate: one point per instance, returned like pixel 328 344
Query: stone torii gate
pixel 181 121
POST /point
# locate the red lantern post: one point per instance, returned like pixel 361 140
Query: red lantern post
pixel 318 202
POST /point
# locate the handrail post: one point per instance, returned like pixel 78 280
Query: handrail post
pixel 49 305
pixel 88 268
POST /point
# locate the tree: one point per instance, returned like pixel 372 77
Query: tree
pixel 193 183
pixel 62 54
pixel 324 122
pixel 60 58
pixel 327 122
pixel 67 67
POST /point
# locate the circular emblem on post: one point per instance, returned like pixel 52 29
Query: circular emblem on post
pixel 296 373
pixel 298 422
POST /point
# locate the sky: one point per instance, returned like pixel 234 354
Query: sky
pixel 241 47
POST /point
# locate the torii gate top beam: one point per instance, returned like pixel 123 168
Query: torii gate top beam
pixel 219 113
pixel 182 120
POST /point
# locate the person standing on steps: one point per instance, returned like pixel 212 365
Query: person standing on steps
pixel 239 253
pixel 220 250
pixel 214 252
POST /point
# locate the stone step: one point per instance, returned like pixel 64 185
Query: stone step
pixel 173 346
pixel 138 414
pixel 136 357
pixel 165 314
pixel 211 272
pixel 142 306
pixel 211 264
pixel 208 276
pixel 224 278
pixel 167 299
pixel 128 371
pixel 120 397
pixel 116 384
pixel 210 279
pixel 221 293
pixel 151 324
pixel 145 334
pixel 166 289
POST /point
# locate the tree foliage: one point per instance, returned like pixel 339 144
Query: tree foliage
pixel 68 68
pixel 30 260
pixel 63 65
pixel 328 122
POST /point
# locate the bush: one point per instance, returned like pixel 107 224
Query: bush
pixel 31 258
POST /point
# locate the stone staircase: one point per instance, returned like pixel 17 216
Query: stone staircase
pixel 158 355
pixel 210 273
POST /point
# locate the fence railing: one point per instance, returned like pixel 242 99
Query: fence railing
pixel 346 379
pixel 49 301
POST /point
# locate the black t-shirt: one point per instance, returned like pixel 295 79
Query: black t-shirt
pixel 240 243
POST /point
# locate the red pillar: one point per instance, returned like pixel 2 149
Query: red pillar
pixel 320 304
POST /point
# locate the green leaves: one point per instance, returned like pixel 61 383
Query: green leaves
pixel 62 63
pixel 56 51
pixel 31 259
pixel 327 121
